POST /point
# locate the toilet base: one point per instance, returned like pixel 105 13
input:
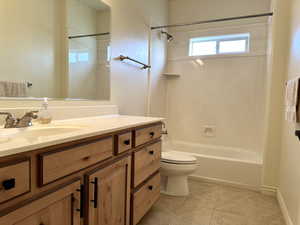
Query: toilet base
pixel 175 185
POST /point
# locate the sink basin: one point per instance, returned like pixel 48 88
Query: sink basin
pixel 48 131
pixel 7 135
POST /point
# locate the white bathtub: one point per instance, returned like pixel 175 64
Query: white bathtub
pixel 222 164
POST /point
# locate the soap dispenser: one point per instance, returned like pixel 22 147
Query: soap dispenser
pixel 44 114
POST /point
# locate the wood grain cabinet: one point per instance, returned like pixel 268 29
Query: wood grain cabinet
pixel 123 142
pixel 62 162
pixel 146 162
pixel 111 179
pixel 60 207
pixel 144 198
pixel 148 133
pixel 14 179
pixel 109 194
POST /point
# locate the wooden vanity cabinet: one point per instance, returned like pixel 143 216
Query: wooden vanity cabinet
pixel 109 194
pixel 58 207
pixel 15 179
pixel 111 179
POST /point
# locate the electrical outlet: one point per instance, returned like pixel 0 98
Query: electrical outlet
pixel 209 131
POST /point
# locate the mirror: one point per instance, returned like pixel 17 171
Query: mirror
pixel 58 49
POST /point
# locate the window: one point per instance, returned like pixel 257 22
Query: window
pixel 83 57
pixel 216 45
pixel 75 57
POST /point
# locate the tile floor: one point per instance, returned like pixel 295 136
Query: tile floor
pixel 213 204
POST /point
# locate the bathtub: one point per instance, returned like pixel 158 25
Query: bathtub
pixel 222 164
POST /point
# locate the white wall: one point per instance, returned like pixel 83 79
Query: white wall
pixel 290 170
pixel 226 92
pixel 31 44
pixel 131 20
pixel 191 10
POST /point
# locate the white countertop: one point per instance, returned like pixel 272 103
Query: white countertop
pixel 83 128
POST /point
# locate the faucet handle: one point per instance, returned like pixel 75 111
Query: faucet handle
pixel 9 115
pixel 9 121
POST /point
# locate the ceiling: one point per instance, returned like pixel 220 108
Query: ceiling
pixel 96 4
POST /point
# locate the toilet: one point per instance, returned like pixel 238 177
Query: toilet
pixel 175 169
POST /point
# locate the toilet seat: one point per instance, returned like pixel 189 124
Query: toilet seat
pixel 173 157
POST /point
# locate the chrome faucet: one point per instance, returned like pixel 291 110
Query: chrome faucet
pixel 25 121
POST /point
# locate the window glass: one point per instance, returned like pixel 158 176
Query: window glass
pixel 232 46
pixel 223 44
pixel 204 48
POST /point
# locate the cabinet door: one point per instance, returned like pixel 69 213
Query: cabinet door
pixel 109 194
pixel 60 207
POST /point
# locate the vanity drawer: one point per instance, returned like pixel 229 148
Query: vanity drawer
pixel 124 142
pixel 146 162
pixel 147 134
pixel 145 197
pixel 60 163
pixel 14 179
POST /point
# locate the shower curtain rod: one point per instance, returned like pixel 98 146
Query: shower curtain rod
pixel 88 35
pixel 214 21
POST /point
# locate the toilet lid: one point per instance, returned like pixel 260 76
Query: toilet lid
pixel 177 158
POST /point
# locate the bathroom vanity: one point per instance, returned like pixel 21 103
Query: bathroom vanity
pixel 93 171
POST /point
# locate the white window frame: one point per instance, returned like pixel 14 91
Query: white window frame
pixel 221 38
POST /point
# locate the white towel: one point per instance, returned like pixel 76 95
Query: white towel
pixel 13 89
pixel 292 101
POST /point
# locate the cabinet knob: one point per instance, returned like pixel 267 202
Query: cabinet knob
pixel 86 158
pixel 150 187
pixel 127 142
pixel 9 184
pixel 152 134
pixel 151 152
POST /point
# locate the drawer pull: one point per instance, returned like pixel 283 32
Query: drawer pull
pixel 127 142
pixel 86 158
pixel 150 187
pixel 95 200
pixel 152 134
pixel 9 184
pixel 81 190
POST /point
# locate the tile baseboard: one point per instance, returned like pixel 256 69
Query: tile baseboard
pixel 224 182
pixel 284 209
pixel 268 190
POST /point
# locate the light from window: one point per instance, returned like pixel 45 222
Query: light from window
pixel 232 46
pixel 72 57
pixel 108 53
pixel 205 48
pixel 83 57
pixel 216 45
pixel 75 57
